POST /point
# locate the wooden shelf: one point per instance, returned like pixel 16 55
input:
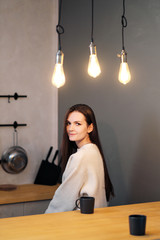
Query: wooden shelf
pixel 28 193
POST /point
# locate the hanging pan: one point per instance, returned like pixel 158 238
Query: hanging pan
pixel 14 160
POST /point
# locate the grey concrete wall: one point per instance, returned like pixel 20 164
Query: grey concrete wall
pixel 128 116
pixel 28 44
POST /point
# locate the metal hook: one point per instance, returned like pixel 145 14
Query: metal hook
pixel 15 138
pixel 8 98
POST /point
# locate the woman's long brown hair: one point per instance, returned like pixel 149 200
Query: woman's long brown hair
pixel 69 147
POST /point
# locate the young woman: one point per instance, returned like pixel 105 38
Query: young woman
pixel 83 164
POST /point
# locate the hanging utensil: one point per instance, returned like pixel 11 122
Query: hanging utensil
pixel 14 160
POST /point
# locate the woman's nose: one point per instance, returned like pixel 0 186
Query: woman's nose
pixel 71 127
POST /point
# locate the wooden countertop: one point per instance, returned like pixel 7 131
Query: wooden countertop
pixel 109 223
pixel 27 193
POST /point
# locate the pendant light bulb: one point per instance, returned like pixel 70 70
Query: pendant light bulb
pixel 124 72
pixel 93 65
pixel 58 78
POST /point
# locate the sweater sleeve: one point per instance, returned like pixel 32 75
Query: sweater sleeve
pixel 72 182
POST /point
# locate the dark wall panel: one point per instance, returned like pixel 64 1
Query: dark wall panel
pixel 128 116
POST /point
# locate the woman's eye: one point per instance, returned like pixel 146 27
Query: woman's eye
pixel 68 123
pixel 77 124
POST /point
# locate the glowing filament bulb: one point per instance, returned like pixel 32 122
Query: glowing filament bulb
pixel 93 65
pixel 124 72
pixel 58 78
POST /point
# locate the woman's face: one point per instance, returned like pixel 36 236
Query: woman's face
pixel 78 129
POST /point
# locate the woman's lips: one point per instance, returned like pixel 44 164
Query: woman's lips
pixel 72 134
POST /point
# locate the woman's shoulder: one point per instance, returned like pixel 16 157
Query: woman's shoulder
pixel 86 157
pixel 88 148
pixel 87 151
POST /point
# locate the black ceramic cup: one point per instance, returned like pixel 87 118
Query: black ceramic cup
pixel 85 204
pixel 137 224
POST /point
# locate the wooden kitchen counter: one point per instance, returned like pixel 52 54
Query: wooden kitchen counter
pixel 28 193
pixel 108 223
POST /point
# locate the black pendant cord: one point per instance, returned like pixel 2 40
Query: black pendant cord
pixel 92 20
pixel 59 28
pixel 124 24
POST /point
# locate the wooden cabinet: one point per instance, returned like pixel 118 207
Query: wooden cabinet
pixel 11 210
pixel 23 209
pixel 28 199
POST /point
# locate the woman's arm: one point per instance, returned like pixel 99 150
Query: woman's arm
pixel 72 182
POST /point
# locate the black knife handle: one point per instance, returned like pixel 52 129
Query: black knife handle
pixel 49 153
pixel 55 155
